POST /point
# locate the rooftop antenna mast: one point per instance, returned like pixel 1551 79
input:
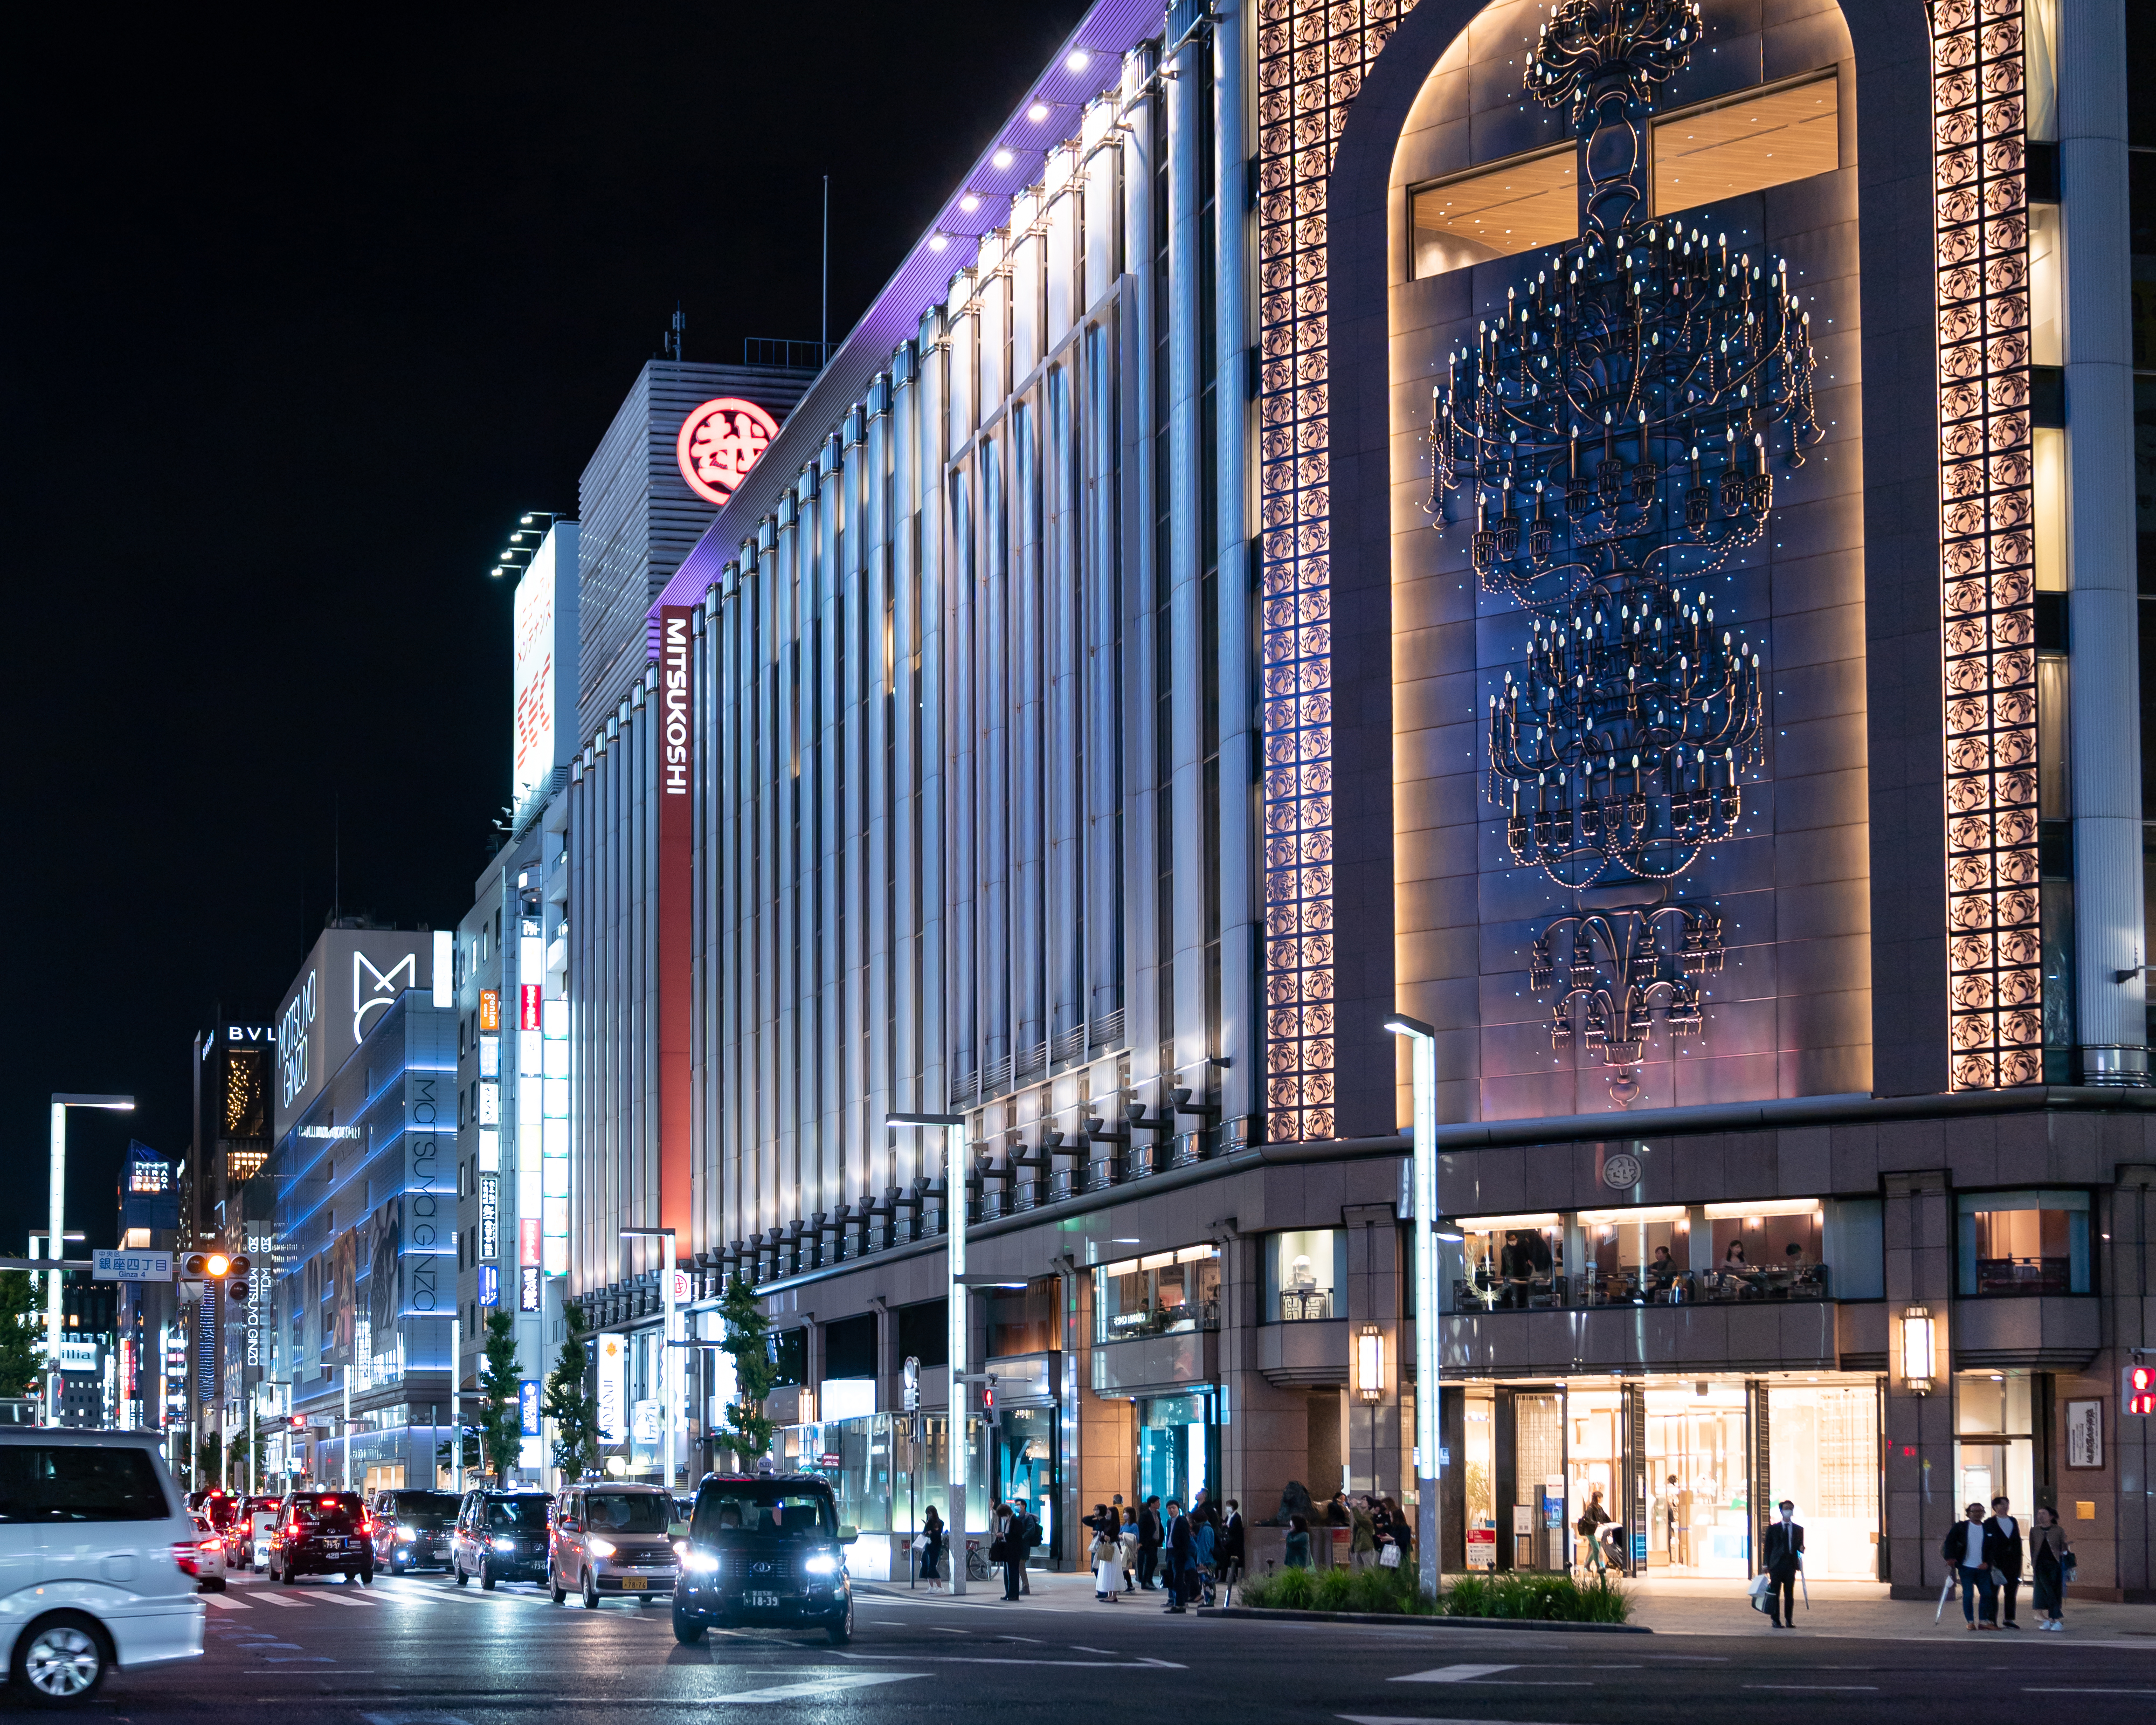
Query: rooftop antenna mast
pixel 674 329
pixel 823 333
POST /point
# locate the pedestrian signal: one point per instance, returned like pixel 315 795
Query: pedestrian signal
pixel 2138 1392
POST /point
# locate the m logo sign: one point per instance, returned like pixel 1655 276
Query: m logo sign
pixel 372 989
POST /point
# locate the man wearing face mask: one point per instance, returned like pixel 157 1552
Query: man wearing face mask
pixel 1781 1557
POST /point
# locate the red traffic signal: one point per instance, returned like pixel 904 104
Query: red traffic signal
pixel 2137 1394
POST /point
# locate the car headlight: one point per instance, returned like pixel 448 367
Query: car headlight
pixel 499 1543
pixel 404 1533
pixel 823 1564
pixel 700 1562
pixel 600 1547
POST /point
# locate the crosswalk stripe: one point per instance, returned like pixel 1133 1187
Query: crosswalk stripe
pixel 225 1602
pixel 282 1599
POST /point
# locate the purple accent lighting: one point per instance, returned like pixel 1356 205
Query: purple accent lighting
pixel 1106 32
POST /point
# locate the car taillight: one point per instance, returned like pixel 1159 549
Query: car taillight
pixel 366 1524
pixel 212 1544
pixel 293 1532
pixel 184 1555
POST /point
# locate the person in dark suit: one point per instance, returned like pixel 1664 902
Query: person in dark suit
pixel 2002 1551
pixel 1782 1556
pixel 1177 1553
pixel 1149 1535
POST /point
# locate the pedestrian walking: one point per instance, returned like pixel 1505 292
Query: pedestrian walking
pixel 1362 1535
pixel 1589 1527
pixel 2002 1553
pixel 1235 1538
pixel 1129 1543
pixel 2048 1556
pixel 1781 1555
pixel 1296 1552
pixel 1175 1546
pixel 1963 1548
pixel 929 1543
pixel 1151 1530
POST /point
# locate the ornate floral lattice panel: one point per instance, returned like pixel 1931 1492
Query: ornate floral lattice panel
pixel 1994 937
pixel 1312 60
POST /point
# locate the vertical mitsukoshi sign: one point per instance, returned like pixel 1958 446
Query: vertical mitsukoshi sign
pixel 676 882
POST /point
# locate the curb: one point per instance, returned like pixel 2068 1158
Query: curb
pixel 1401 1619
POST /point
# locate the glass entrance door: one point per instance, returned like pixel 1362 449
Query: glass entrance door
pixel 1699 1516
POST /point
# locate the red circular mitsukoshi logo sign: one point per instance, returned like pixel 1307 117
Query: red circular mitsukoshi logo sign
pixel 718 444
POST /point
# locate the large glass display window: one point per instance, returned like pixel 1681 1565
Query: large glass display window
pixel 1994 1447
pixel 1770 1248
pixel 1163 1294
pixel 1508 1263
pixel 2024 1243
pixel 1633 1255
pixel 1305 1275
pixel 1823 1454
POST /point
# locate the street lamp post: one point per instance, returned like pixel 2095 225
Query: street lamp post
pixel 954 1235
pixel 1422 1041
pixel 668 1399
pixel 62 1101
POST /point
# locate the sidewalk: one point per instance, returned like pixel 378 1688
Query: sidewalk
pixel 1842 1610
pixel 1863 1609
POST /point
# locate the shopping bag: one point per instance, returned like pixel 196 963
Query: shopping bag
pixel 921 1542
pixel 1389 1557
pixel 1762 1585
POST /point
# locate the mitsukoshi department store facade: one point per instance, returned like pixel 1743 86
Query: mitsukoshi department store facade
pixel 1613 539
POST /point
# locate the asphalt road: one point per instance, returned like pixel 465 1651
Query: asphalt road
pixel 417 1650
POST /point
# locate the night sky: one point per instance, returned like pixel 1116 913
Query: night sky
pixel 302 311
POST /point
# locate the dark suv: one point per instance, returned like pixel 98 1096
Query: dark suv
pixel 500 1536
pixel 412 1528
pixel 767 1549
pixel 322 1533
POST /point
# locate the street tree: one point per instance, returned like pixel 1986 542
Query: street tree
pixel 500 1430
pixel 571 1404
pixel 747 1340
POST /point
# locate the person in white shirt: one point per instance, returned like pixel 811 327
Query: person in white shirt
pixel 1964 1546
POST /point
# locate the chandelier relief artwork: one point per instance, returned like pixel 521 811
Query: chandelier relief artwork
pixel 1608 439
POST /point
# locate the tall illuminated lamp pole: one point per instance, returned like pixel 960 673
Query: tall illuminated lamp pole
pixel 668 1399
pixel 1422 1040
pixel 62 1101
pixel 954 1232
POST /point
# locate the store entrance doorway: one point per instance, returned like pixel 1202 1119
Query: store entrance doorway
pixel 1699 1470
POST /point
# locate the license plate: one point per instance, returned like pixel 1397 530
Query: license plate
pixel 632 1584
pixel 763 1602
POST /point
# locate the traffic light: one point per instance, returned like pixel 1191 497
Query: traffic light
pixel 217 1266
pixel 2138 1393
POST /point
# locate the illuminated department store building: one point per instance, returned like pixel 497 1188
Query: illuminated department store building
pixel 1616 542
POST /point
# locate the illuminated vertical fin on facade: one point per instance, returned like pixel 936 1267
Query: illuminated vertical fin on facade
pixel 1312 60
pixel 1988 542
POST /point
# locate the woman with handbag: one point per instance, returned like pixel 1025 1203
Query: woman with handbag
pixel 1107 1556
pixel 2053 1559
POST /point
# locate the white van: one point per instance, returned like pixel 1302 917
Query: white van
pixel 92 1533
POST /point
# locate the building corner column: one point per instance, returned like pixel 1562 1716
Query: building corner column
pixel 1917 1430
pixel 2103 629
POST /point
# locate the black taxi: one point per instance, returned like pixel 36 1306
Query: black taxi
pixel 764 1548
